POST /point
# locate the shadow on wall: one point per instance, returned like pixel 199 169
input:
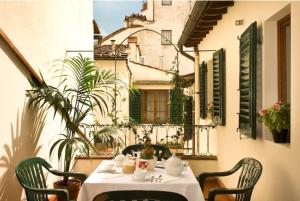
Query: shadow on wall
pixel 24 143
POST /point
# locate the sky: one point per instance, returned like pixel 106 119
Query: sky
pixel 109 14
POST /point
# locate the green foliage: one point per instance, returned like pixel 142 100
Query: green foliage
pixel 82 89
pixel 276 117
pixel 177 99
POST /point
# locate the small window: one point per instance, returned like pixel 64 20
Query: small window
pixel 166 38
pixel 155 106
pixel 284 59
pixel 166 2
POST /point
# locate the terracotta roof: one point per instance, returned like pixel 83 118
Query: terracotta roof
pixel 137 16
pixel 101 51
pixel 113 34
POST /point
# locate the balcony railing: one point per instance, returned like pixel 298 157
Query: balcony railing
pixel 185 140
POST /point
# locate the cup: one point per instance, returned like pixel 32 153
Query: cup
pixel 140 175
pixel 128 166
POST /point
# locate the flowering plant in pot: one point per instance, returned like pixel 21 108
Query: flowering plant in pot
pixel 277 119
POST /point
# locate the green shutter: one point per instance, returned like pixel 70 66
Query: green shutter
pixel 188 118
pixel 135 106
pixel 219 87
pixel 247 114
pixel 176 106
pixel 203 90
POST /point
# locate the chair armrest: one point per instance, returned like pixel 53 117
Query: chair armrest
pixel 221 191
pixel 203 176
pixel 60 192
pixel 81 176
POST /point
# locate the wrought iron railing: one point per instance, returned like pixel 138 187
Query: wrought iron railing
pixel 181 139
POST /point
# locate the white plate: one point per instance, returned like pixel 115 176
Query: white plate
pixel 100 170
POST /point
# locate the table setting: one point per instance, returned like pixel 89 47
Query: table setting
pixel 132 173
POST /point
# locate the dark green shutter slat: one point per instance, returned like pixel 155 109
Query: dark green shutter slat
pixel 247 86
pixel 219 87
pixel 203 90
pixel 188 118
pixel 176 106
pixel 135 106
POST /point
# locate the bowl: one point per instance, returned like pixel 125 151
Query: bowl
pixel 108 165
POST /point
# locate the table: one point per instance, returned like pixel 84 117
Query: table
pixel 99 182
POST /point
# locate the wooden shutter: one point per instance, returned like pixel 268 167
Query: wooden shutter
pixel 176 106
pixel 188 118
pixel 247 114
pixel 135 106
pixel 219 87
pixel 203 90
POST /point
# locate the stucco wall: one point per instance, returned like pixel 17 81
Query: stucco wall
pixel 165 18
pixel 280 177
pixel 42 31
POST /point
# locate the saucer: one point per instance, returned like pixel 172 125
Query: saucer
pixel 101 170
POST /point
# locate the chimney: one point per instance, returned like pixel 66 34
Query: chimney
pixel 133 52
pixel 113 47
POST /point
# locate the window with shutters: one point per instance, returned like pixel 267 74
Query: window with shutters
pixel 203 90
pixel 247 86
pixel 166 2
pixel 166 38
pixel 284 59
pixel 219 87
pixel 155 108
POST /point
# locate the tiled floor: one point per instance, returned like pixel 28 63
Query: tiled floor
pixel 213 184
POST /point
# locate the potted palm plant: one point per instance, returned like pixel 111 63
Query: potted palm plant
pixel 82 88
pixel 277 119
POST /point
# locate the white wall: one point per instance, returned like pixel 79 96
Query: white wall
pixel 42 31
pixel 280 177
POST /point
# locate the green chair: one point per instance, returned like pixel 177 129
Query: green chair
pixel 30 173
pixel 250 171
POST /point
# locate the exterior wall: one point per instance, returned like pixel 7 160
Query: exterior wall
pixel 150 42
pixel 123 97
pixel 279 180
pixel 42 31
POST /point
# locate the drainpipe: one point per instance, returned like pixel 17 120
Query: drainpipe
pixel 184 53
pixel 197 102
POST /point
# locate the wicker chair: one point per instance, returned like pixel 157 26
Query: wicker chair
pixel 140 196
pixel 30 173
pixel 161 152
pixel 250 171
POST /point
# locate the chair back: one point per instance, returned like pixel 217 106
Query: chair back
pixel 140 196
pixel 161 152
pixel 251 170
pixel 31 175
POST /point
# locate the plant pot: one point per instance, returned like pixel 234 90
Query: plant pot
pixel 73 188
pixel 280 137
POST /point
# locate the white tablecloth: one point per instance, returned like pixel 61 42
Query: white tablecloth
pixel 97 183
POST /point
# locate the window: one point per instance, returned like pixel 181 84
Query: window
pixel 284 59
pixel 155 106
pixel 166 2
pixel 166 34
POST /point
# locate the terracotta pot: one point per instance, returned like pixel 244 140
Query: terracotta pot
pixel 73 188
pixel 280 137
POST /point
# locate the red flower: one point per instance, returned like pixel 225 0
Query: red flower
pixel 263 112
pixel 277 106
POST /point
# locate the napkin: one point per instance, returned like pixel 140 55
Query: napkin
pixel 169 179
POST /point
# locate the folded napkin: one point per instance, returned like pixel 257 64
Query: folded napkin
pixel 169 179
